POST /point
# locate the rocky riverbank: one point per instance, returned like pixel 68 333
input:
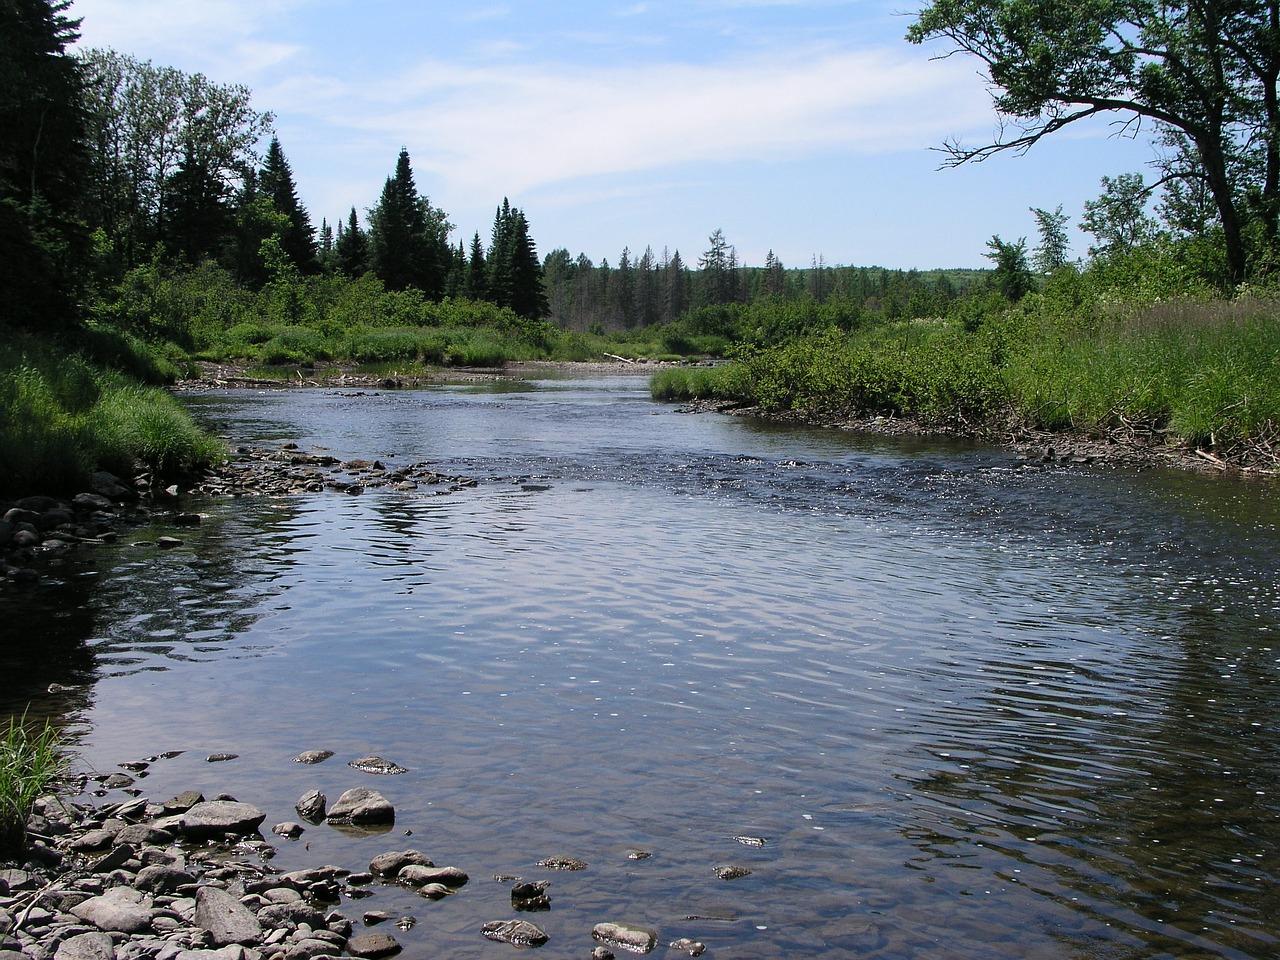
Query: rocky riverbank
pixel 190 878
pixel 39 533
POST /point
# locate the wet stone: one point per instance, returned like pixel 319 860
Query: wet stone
pixel 625 936
pixel 732 872
pixel 563 863
pixel 313 756
pixel 390 864
pixel 377 765
pixel 520 933
pixel 214 817
pixel 693 948
pixel 415 875
pixel 360 805
pixel 373 945
pixel 311 806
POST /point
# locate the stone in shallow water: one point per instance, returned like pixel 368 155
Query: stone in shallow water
pixel 214 817
pixel 377 765
pixel 693 948
pixel 390 864
pixel 416 875
pixel 361 805
pixel 311 806
pixel 313 756
pixel 531 897
pixel 520 933
pixel 625 936
pixel 562 863
pixel 732 872
pixel 373 946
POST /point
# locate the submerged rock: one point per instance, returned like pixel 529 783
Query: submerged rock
pixel 377 765
pixel 531 897
pixel 520 933
pixel 625 936
pixel 693 948
pixel 389 865
pixel 313 756
pixel 562 863
pixel 732 872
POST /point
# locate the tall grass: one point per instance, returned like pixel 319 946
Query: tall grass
pixel 64 417
pixel 31 763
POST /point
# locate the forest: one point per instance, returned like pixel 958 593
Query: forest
pixel 150 221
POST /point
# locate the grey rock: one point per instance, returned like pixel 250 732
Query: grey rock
pixel 414 875
pixel 89 502
pixel 520 933
pixel 183 801
pixel 311 806
pixel 732 872
pixel 601 953
pixel 120 909
pixel 225 918
pixel 361 805
pixel 693 948
pixel 625 936
pixel 94 840
pixel 144 834
pixel 215 817
pixel 289 915
pixel 162 878
pixel 109 485
pixel 562 863
pixel 288 829
pixel 373 945
pixel 390 864
pixel 86 946
pixel 309 948
pixel 378 766
pixel 313 756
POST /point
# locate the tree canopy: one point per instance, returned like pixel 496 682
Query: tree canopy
pixel 1204 72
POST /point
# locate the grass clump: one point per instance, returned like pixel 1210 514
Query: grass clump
pixel 31 763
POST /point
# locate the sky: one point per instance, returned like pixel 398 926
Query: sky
pixel 805 127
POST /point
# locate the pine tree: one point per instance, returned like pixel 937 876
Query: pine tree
pixel 513 271
pixel 408 238
pixel 477 284
pixel 275 181
pixel 351 250
pixel 43 164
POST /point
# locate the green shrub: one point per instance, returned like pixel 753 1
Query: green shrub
pixel 143 425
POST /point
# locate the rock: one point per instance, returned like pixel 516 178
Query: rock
pixel 288 829
pixel 225 918
pixel 117 859
pixel 531 897
pixel 414 875
pixel 562 863
pixel 183 802
pixel 360 805
pixel 218 757
pixel 313 756
pixel 732 872
pixel 311 806
pixel 94 840
pixel 144 834
pixel 373 945
pixel 377 765
pixel 86 946
pixel 390 864
pixel 601 953
pixel 109 485
pixel 289 915
pixel 212 818
pixel 625 936
pixel 118 781
pixel 168 543
pixel 90 502
pixel 120 910
pixel 693 948
pixel 520 933
pixel 162 878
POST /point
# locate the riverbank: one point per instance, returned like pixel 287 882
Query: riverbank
pixel 190 878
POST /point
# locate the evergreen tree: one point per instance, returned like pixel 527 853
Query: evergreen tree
pixel 275 181
pixel 351 250
pixel 716 272
pixel 408 238
pixel 1052 251
pixel 1012 275
pixel 676 281
pixel 774 282
pixel 43 164
pixel 477 283
pixel 513 271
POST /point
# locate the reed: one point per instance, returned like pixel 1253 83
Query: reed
pixel 31 763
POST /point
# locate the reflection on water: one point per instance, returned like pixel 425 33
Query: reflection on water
pixel 976 710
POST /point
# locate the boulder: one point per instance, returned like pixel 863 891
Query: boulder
pixel 520 933
pixel 311 806
pixel 625 936
pixel 119 910
pixel 361 805
pixel 213 818
pixel 389 865
pixel 162 878
pixel 414 875
pixel 373 946
pixel 225 918
pixel 86 946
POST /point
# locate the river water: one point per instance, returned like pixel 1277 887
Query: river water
pixel 975 708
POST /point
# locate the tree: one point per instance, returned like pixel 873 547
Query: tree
pixel 716 271
pixel 43 164
pixel 408 238
pixel 1052 251
pixel 275 181
pixel 1208 70
pixel 514 272
pixel 1118 218
pixel 1012 276
pixel 476 286
pixel 351 249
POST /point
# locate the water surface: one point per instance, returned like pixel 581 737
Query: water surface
pixel 977 709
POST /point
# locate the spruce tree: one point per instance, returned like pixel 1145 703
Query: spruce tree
pixel 477 285
pixel 43 164
pixel 275 181
pixel 408 238
pixel 351 249
pixel 514 272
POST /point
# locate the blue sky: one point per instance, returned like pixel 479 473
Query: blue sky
pixel 801 126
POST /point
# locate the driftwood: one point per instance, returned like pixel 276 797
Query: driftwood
pixel 1220 464
pixel 614 356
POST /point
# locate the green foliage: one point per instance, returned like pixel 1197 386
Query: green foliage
pixel 32 762
pixel 135 425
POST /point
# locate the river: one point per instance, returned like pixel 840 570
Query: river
pixel 975 708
